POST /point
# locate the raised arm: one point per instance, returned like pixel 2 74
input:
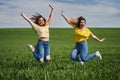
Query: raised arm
pixel 26 18
pixel 94 37
pixel 67 19
pixel 51 14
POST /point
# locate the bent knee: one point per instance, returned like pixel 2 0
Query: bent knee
pixel 72 57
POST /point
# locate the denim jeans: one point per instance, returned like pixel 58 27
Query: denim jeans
pixel 42 50
pixel 79 52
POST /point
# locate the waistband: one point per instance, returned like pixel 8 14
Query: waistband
pixel 42 41
pixel 81 42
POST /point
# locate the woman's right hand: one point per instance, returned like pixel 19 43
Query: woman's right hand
pixel 22 14
pixel 67 19
pixel 62 13
pixel 26 18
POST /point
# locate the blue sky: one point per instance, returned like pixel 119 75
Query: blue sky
pixel 98 13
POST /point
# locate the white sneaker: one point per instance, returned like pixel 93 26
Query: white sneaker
pixel 31 47
pixel 81 62
pixel 98 55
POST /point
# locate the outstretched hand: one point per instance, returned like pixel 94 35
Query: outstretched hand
pixel 50 6
pixel 22 14
pixel 101 40
pixel 62 12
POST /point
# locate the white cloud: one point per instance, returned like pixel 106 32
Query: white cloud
pixel 103 14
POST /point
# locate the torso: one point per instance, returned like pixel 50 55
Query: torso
pixel 81 34
pixel 42 31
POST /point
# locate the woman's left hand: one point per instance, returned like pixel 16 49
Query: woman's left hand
pixel 50 6
pixel 101 40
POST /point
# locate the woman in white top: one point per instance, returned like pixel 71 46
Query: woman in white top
pixel 41 26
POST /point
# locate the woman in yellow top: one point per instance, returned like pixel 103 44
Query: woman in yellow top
pixel 41 26
pixel 81 33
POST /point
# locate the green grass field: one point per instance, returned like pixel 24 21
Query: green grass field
pixel 18 63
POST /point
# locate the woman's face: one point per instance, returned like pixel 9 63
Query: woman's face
pixel 41 22
pixel 82 23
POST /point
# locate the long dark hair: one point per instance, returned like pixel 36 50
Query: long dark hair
pixel 36 17
pixel 79 20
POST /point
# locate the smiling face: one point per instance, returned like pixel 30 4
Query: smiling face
pixel 82 23
pixel 41 21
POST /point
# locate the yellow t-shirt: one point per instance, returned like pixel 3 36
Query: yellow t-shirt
pixel 42 31
pixel 81 35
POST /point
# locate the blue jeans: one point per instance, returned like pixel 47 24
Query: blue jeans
pixel 42 50
pixel 81 48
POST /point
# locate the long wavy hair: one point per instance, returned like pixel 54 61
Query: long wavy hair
pixel 79 20
pixel 36 17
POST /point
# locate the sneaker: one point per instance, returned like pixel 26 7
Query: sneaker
pixel 98 55
pixel 81 62
pixel 31 47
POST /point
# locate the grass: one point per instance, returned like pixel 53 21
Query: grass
pixel 18 63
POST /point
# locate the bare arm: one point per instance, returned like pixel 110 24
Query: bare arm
pixel 67 19
pixel 51 14
pixel 96 38
pixel 26 18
